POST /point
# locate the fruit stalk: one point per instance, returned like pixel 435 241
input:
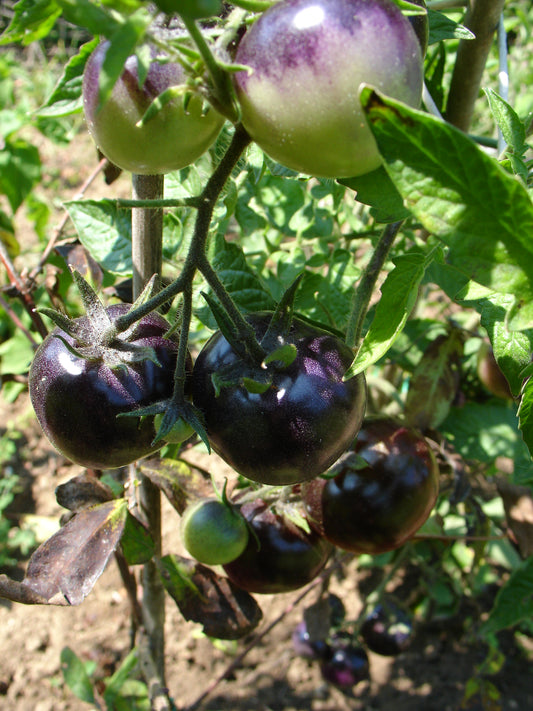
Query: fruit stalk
pixel 482 19
pixel 147 238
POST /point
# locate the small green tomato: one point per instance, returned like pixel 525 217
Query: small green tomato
pixel 213 532
pixel 179 432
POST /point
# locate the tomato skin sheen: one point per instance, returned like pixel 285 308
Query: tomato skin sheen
pixel 213 532
pixel 172 139
pixel 77 400
pixel 307 60
pixel 299 426
pixel 280 556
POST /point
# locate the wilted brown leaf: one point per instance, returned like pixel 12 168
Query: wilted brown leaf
pixel 224 610
pixel 64 569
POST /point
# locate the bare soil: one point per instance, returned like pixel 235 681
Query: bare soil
pixel 432 674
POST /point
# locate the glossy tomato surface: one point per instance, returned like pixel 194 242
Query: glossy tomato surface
pixel 173 138
pixel 295 429
pixel 377 507
pixel 307 60
pixel 280 556
pixel 77 400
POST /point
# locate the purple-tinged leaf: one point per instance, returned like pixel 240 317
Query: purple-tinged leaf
pixel 64 569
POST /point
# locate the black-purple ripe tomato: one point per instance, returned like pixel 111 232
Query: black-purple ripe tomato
pixel 380 506
pixel 301 424
pixel 280 556
pixel 77 401
pixel 346 664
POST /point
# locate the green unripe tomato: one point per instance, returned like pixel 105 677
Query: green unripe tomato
pixel 213 532
pixel 179 432
pixel 174 137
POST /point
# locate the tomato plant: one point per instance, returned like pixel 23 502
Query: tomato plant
pixel 361 286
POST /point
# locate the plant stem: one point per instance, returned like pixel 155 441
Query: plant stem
pixel 207 201
pixel 482 19
pixel 366 286
pixel 147 238
pixel 147 231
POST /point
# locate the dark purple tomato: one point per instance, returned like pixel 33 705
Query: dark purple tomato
pixel 346 665
pixel 378 507
pixel 77 400
pixel 304 646
pixel 174 137
pixel 307 60
pixel 387 630
pixel 300 424
pixel 280 556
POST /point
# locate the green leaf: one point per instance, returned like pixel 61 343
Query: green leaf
pixel 377 190
pixel 32 20
pixel 514 601
pixel 442 27
pixel 20 169
pixel 137 544
pixel 512 349
pixel 240 281
pixel 398 297
pixel 105 231
pixel 66 98
pixel 89 15
pixel 513 129
pixel 115 682
pixel 76 676
pixel 461 195
pixel 485 431
pixel 525 414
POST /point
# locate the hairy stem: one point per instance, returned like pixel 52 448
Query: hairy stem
pixel 147 237
pixel 482 20
pixel 207 201
pixel 366 286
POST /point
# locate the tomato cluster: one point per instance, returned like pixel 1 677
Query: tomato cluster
pixel 298 93
pixel 291 418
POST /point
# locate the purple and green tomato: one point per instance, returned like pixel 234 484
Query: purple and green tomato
pixel 307 60
pixel 173 138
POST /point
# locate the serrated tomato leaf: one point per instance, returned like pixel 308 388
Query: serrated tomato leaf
pixel 398 297
pixel 64 569
pixel 514 601
pixel 461 195
pixel 224 610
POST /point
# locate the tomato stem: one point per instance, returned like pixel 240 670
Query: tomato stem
pixel 367 284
